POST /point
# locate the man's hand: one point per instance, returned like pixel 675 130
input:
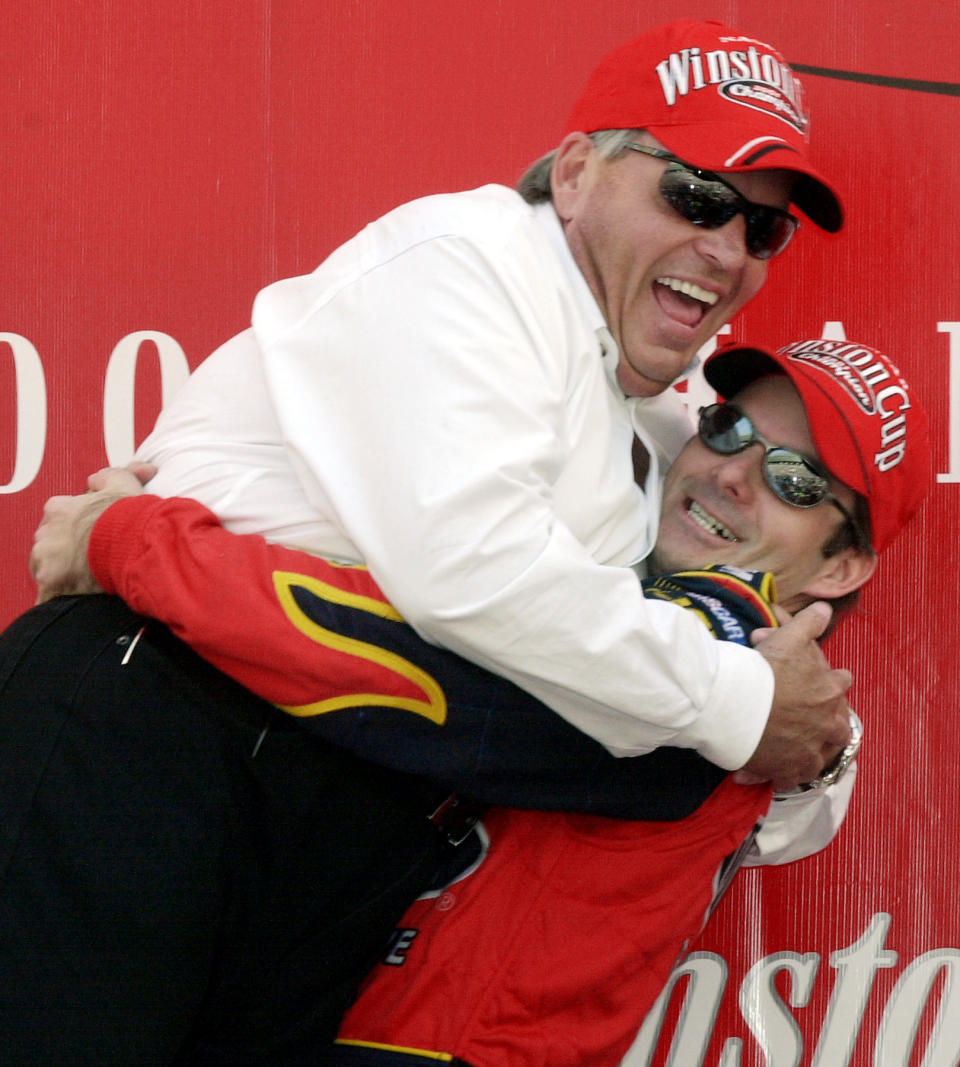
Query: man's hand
pixel 58 560
pixel 809 723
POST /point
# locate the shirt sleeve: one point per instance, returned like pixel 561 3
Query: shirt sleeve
pixel 435 429
pixel 801 824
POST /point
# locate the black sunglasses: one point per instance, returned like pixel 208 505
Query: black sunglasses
pixel 796 480
pixel 705 199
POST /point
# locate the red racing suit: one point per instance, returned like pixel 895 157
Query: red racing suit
pixel 552 951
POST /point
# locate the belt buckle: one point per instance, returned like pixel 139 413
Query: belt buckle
pixel 455 817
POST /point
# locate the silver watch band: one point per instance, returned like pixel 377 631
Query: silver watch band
pixel 834 770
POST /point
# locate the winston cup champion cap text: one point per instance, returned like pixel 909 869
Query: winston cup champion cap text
pixel 870 431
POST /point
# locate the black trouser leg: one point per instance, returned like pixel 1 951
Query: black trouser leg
pixel 184 875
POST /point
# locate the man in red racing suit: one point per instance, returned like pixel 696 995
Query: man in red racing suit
pixel 554 936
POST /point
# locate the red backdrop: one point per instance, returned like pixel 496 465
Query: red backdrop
pixel 162 162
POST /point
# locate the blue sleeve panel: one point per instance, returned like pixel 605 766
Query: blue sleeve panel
pixel 498 745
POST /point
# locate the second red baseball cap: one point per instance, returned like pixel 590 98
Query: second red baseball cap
pixel 869 428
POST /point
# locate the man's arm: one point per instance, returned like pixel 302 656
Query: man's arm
pixel 321 641
pixel 59 563
pixel 810 720
pixel 173 560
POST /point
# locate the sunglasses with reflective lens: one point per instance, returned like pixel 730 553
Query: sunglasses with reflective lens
pixel 706 200
pixel 796 480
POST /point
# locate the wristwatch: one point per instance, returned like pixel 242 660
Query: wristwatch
pixel 836 768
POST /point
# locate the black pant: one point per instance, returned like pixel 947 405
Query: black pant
pixel 185 875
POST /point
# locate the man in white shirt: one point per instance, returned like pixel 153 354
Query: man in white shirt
pixel 453 397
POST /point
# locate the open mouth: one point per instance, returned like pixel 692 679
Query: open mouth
pixel 684 301
pixel 707 522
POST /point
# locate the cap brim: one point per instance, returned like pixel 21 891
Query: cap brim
pixel 732 369
pixel 710 149
pixel 818 202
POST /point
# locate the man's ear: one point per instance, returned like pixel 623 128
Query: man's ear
pixel 572 173
pixel 841 574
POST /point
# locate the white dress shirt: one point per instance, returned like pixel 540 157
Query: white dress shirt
pixel 438 400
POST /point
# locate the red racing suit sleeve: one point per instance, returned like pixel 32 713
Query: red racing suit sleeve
pixel 229 597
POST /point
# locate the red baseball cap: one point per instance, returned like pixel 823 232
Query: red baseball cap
pixel 870 431
pixel 715 98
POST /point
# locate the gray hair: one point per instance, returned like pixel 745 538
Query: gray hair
pixel 534 185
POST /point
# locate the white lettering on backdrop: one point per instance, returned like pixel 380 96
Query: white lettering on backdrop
pixel 120 384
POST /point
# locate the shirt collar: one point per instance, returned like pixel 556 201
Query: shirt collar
pixel 546 216
pixel 549 221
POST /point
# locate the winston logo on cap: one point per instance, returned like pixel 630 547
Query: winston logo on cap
pixel 755 79
pixel 861 371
